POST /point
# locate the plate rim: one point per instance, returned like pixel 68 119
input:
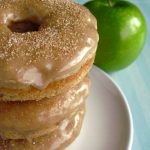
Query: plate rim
pixel 124 98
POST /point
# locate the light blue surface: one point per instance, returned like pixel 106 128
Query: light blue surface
pixel 135 83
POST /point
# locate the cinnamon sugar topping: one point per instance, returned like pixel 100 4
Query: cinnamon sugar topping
pixel 65 39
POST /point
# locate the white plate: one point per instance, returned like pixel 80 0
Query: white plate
pixel 108 122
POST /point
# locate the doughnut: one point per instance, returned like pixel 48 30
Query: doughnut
pixel 30 119
pixel 53 89
pixel 65 134
pixel 47 46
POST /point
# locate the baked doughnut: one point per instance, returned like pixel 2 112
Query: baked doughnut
pixel 30 119
pixel 53 89
pixel 57 140
pixel 46 46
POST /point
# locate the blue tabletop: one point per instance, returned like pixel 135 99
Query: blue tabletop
pixel 135 83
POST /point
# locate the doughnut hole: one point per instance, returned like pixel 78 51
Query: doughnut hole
pixel 28 25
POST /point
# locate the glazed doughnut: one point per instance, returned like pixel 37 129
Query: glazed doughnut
pixel 53 89
pixel 47 46
pixel 30 119
pixel 57 140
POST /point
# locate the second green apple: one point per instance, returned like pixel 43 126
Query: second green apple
pixel 122 30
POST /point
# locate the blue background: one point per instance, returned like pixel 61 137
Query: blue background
pixel 135 83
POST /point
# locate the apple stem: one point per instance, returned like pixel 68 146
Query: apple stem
pixel 109 3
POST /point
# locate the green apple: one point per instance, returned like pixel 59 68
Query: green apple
pixel 122 30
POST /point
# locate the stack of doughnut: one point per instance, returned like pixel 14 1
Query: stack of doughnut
pixel 47 48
